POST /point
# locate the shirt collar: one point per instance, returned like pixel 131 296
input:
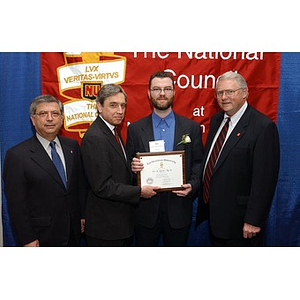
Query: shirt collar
pixel 111 127
pixel 46 142
pixel 168 119
pixel 236 117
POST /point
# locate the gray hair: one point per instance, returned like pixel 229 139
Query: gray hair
pixel 44 99
pixel 233 75
pixel 109 90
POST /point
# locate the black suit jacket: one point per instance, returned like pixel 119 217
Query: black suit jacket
pixel 179 209
pixel 244 180
pixel 112 197
pixel 39 205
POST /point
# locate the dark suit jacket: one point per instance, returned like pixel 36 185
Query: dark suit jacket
pixel 112 198
pixel 179 209
pixel 244 180
pixel 39 205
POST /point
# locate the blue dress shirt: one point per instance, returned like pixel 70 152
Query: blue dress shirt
pixel 164 129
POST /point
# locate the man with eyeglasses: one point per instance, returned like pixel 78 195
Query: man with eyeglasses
pixel 167 214
pixel 44 181
pixel 240 169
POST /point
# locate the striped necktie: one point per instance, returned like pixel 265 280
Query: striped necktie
pixel 213 159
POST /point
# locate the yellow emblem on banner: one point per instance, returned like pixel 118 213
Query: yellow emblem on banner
pixel 80 80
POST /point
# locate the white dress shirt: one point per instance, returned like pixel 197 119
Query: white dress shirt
pixel 46 144
pixel 232 123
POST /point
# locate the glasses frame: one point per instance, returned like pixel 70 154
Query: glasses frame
pixel 45 114
pixel 166 90
pixel 228 93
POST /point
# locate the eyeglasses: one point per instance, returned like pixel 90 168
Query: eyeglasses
pixel 157 91
pixel 228 93
pixel 44 114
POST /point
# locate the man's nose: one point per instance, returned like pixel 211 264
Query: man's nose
pixel 49 115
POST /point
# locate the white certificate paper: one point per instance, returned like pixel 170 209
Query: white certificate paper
pixel 163 169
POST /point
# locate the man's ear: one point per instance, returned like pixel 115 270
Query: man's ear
pixel 99 107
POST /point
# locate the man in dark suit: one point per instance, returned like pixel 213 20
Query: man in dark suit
pixel 239 193
pixel 44 210
pixel 168 213
pixel 112 197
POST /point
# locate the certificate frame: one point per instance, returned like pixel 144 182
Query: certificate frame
pixel 164 169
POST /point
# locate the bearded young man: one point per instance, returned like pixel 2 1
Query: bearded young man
pixel 167 214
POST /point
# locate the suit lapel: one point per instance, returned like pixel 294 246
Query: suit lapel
pixel 40 157
pixel 180 130
pixel 148 134
pixel 214 126
pixel 234 137
pixel 68 154
pixel 112 140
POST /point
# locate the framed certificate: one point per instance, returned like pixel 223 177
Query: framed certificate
pixel 164 169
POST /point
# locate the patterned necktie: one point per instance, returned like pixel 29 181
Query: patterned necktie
pixel 58 163
pixel 213 159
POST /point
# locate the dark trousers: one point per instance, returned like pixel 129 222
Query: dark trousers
pixel 256 241
pixel 93 242
pixel 149 237
pixel 72 240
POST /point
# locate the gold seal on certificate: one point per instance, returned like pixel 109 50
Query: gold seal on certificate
pixel 164 169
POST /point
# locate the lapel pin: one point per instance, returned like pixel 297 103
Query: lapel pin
pixel 71 151
pixel 238 134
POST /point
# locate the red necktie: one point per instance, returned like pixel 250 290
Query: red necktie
pixel 119 141
pixel 213 159
pixel 117 137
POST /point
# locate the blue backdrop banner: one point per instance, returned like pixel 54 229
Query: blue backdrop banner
pixel 20 79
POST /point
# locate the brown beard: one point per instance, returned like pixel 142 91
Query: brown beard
pixel 165 106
